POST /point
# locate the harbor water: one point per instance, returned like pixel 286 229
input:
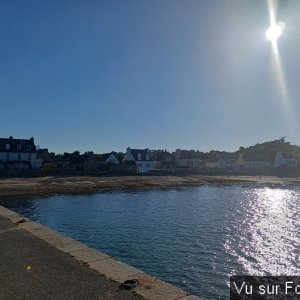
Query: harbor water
pixel 195 238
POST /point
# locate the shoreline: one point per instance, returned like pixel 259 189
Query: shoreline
pixel 80 185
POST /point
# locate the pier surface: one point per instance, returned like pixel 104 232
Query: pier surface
pixel 38 263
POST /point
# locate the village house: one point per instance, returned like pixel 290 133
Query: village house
pixel 109 162
pixel 162 160
pixel 252 163
pixel 225 162
pixel 187 160
pixel 141 159
pixel 212 163
pixel 18 154
pixel 109 158
pixel 285 159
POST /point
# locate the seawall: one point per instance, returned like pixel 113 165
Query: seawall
pixel 110 269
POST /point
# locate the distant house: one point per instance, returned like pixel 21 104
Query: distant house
pixel 225 162
pixel 212 164
pixel 109 158
pixel 187 160
pixel 252 163
pixel 110 162
pixel 192 164
pixel 285 159
pixel 142 160
pixel 18 154
pixel 162 160
pixel 228 163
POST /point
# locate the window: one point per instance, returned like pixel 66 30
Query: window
pixel 7 146
pixel 139 156
pixel 147 157
pixel 19 155
pixel 148 165
pixel 28 147
pixel 29 156
pixel 19 146
pixel 7 155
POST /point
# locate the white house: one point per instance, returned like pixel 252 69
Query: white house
pixel 227 163
pixel 109 158
pixel 142 159
pixel 221 163
pixel 18 154
pixel 252 163
pixel 287 159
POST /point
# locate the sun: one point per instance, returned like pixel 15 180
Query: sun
pixel 274 32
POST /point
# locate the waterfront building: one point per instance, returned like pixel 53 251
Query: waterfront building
pixel 109 158
pixel 140 158
pixel 187 160
pixel 18 154
pixel 253 162
pixel 285 159
pixel 224 161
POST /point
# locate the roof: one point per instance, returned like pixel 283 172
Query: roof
pixel 17 145
pixel 160 155
pixel 143 153
pixel 105 156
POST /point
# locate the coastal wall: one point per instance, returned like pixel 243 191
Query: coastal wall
pixel 149 287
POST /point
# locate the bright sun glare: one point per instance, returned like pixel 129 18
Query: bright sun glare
pixel 274 32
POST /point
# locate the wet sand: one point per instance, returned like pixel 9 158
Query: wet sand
pixel 47 186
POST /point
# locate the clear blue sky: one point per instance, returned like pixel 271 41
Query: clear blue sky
pixel 163 74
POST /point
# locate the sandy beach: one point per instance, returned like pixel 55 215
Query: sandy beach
pixel 47 186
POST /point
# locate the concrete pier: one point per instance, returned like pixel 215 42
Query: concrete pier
pixel 39 263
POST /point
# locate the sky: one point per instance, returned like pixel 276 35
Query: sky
pixel 159 74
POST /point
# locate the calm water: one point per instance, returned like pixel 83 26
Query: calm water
pixel 194 238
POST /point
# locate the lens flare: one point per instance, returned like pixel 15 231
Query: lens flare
pixel 272 34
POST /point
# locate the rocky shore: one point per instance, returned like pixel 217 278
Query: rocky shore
pixel 47 186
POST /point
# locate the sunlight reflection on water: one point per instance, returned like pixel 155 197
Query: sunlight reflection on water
pixel 266 240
